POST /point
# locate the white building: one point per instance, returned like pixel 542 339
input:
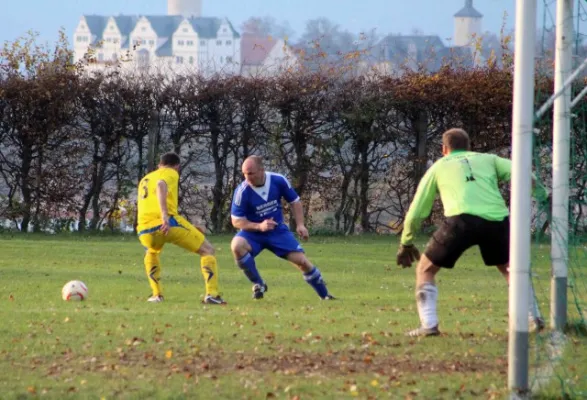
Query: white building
pixel 178 42
pixel 467 25
pixel 186 8
pixel 396 53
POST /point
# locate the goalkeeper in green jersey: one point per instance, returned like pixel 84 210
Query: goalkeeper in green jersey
pixel 476 214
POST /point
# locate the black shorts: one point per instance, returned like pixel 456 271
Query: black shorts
pixel 458 233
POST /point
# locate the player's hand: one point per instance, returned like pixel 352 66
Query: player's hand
pixel 165 226
pixel 267 225
pixel 406 255
pixel 302 231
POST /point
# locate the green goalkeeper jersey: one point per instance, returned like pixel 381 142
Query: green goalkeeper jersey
pixel 467 183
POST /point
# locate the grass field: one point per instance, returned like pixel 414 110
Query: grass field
pixel 289 345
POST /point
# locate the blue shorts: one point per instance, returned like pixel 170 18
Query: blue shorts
pixel 280 242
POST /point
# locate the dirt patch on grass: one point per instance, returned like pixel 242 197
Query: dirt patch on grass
pixel 340 363
pixel 345 363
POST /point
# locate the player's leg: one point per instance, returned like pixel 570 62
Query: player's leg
pixel 495 248
pixel 426 297
pixel 245 248
pixel 284 244
pixel 443 250
pixel 209 268
pixel 188 237
pixel 311 273
pixel 153 243
pixel 534 315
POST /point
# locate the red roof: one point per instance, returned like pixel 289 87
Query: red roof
pixel 254 49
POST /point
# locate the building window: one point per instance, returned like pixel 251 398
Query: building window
pixel 223 30
pixel 219 42
pixel 185 29
pixel 191 60
pixel 190 42
pixel 151 43
pixel 111 27
pixel 79 38
pixel 228 59
pixel 144 28
pixel 228 42
pixel 109 40
pixel 179 59
pixel 221 59
pixel 202 42
pixel 180 42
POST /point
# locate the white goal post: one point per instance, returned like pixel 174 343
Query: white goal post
pixel 522 124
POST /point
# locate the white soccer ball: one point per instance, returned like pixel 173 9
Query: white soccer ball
pixel 74 291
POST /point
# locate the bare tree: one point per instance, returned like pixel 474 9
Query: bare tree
pixel 266 26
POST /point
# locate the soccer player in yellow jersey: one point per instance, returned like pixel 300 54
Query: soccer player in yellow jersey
pixel 159 223
pixel 476 214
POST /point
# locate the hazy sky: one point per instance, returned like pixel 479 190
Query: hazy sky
pixel 386 16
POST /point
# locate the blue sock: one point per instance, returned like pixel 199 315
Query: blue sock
pixel 247 264
pixel 314 279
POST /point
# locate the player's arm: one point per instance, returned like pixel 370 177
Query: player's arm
pixel 420 207
pixel 298 212
pixel 246 225
pixel 238 216
pixel 162 199
pixel 297 209
pixel 503 167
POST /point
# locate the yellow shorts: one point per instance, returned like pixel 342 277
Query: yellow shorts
pixel 181 233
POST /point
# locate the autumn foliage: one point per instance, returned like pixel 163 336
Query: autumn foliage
pixel 74 145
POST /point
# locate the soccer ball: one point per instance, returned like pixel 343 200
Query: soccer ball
pixel 74 291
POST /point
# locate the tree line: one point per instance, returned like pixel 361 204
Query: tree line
pixel 74 145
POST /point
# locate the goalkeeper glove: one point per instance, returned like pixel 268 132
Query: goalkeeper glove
pixel 407 254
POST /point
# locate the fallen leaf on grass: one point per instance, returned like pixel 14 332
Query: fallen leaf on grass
pixel 169 354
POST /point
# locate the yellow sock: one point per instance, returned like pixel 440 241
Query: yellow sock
pixel 153 269
pixel 210 272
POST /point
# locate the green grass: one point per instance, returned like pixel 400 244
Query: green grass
pixel 288 345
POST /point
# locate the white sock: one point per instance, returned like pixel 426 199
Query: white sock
pixel 533 312
pixel 426 296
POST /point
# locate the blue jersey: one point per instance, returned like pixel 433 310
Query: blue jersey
pixel 260 203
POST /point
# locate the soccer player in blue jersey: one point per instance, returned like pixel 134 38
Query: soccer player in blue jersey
pixel 256 211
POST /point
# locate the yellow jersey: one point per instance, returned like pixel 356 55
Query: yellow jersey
pixel 149 213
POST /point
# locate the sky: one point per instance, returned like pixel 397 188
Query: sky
pixel 47 17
